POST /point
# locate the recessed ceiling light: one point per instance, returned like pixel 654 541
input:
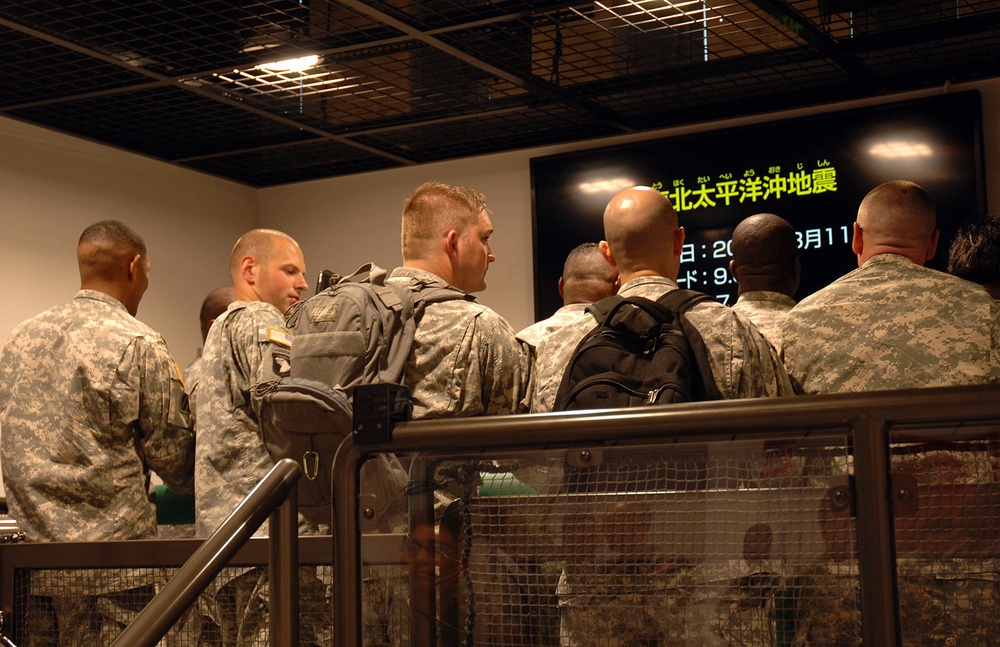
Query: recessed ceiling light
pixel 290 65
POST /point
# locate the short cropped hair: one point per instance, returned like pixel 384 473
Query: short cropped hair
pixel 435 208
pixel 113 234
pixel 257 243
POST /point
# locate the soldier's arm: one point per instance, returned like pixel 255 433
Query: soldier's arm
pixel 268 354
pixel 506 367
pixel 165 437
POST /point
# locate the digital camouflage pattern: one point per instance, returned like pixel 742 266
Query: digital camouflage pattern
pixel 465 359
pixel 767 311
pixel 192 376
pixel 540 330
pixel 554 340
pixel 247 345
pixel 892 324
pixel 90 397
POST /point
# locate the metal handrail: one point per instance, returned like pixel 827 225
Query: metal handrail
pixel 276 493
pixel 864 417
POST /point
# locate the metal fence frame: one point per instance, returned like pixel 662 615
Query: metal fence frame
pixel 865 418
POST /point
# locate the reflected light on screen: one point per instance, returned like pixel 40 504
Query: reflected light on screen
pixel 896 149
pixel 606 186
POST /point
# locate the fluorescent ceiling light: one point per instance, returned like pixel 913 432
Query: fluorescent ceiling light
pixel 290 65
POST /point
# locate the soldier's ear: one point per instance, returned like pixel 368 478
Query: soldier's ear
pixel 932 245
pixel 247 265
pixel 858 241
pixel 451 243
pixel 133 267
pixel 605 250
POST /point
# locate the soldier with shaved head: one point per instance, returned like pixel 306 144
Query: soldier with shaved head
pixel 895 324
pixel 892 323
pixel 766 267
pixel 599 602
pixel 246 346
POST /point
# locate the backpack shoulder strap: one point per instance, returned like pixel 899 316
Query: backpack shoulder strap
pixel 681 301
pixel 437 294
pixel 601 309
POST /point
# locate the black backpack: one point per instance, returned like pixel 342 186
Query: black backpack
pixel 642 352
pixel 358 330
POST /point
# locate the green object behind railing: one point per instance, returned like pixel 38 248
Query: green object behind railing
pixel 503 484
pixel 173 509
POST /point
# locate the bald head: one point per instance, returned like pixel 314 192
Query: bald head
pixel 259 244
pixel 765 255
pixel 215 304
pixel 897 217
pixel 587 276
pixel 641 234
pixel 113 260
pixel 267 265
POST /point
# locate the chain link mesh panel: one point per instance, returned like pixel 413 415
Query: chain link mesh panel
pixel 728 543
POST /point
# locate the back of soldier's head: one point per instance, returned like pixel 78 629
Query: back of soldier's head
pixel 214 305
pixel 898 213
pixel 765 254
pixel 105 249
pixel 587 276
pixel 974 254
pixel 639 225
pixel 434 209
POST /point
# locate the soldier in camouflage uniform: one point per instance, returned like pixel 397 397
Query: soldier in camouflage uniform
pixel 587 277
pixel 246 346
pixel 766 266
pixel 895 324
pixel 90 400
pixel 624 597
pixel 465 359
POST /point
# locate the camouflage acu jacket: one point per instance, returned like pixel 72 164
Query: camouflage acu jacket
pixel 247 345
pixel 554 339
pixel 766 310
pixel 465 360
pixel 89 397
pixel 892 324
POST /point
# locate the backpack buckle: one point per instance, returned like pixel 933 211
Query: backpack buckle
pixel 311 474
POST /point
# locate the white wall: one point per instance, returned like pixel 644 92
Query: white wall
pixel 53 186
pixel 343 222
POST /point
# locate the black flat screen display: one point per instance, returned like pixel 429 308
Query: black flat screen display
pixel 813 171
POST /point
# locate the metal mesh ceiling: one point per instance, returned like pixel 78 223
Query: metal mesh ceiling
pixel 399 82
